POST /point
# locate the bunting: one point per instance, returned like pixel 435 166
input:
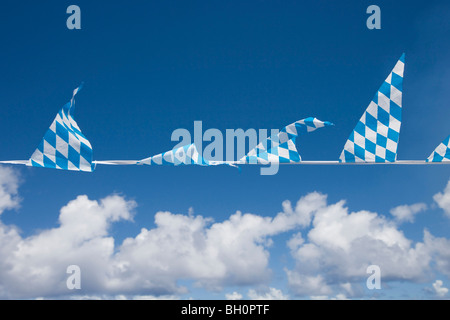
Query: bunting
pixel 374 139
pixel 64 146
pixel 441 153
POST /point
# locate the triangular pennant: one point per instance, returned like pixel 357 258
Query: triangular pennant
pixel 64 146
pixel 181 156
pixel 375 137
pixel 441 153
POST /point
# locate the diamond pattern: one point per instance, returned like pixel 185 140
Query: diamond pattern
pixel 181 156
pixel 280 148
pixel 375 137
pixel 64 146
pixel 441 153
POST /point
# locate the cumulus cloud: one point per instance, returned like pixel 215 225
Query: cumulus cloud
pixel 443 199
pixel 260 294
pixel 233 296
pixel 331 253
pixel 439 250
pixel 37 265
pixel 439 289
pixel 302 284
pixel 117 297
pixel 234 251
pixel 406 213
pixel 341 244
pixel 9 184
pixel 270 294
pixel 339 296
pixel 231 252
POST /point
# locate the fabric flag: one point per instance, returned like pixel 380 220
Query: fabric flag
pixel 375 137
pixel 280 148
pixel 181 156
pixel 64 146
pixel 441 153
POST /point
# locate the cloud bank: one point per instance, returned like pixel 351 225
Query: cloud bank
pixel 331 248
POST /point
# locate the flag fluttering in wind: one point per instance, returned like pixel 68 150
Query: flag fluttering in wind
pixel 64 146
pixel 374 140
pixel 181 156
pixel 375 137
pixel 280 148
pixel 441 153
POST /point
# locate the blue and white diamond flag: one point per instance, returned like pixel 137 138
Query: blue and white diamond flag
pixel 375 137
pixel 280 148
pixel 181 156
pixel 64 146
pixel 441 153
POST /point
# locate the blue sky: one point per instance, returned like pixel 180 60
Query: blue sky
pixel 152 67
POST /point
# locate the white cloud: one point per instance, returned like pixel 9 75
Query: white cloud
pixel 302 284
pixel 443 199
pixel 233 296
pixel 150 297
pixel 118 297
pixel 439 250
pixel 348 288
pixel 406 213
pixel 340 296
pixel 271 294
pixel 37 265
pixel 331 254
pixel 231 252
pixel 439 289
pixel 341 244
pixel 295 242
pixel 9 184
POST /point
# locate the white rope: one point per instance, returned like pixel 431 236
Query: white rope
pixel 24 162
pixel 237 163
pixel 116 162
pixel 398 162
